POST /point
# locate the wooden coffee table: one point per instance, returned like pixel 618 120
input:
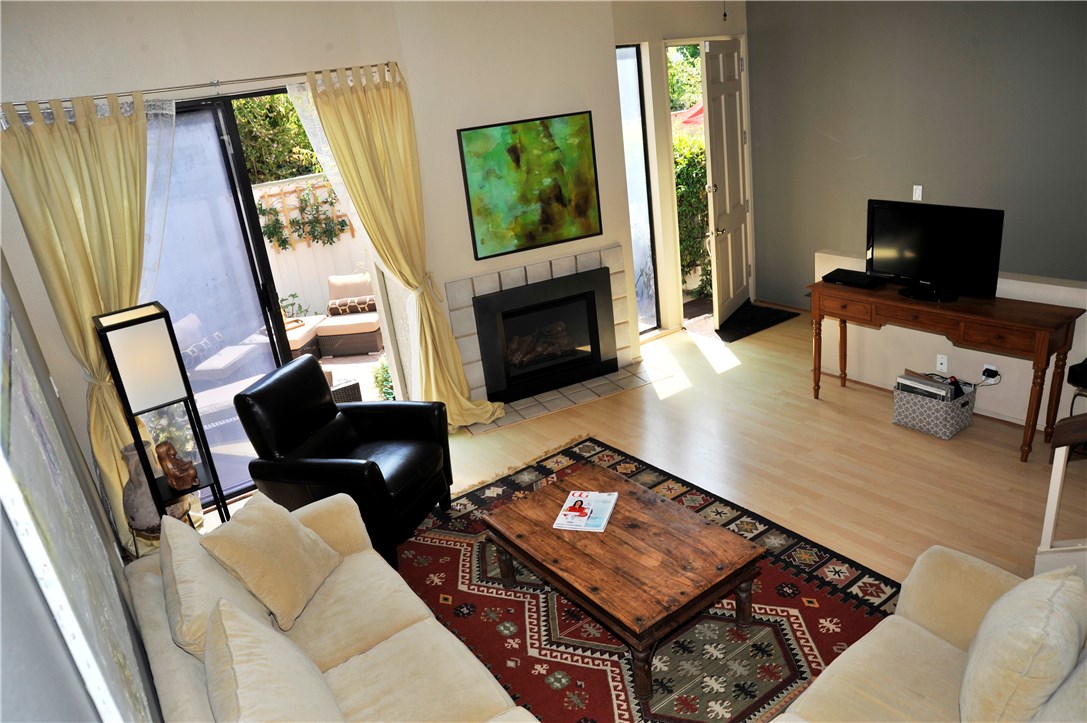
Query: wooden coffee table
pixel 655 567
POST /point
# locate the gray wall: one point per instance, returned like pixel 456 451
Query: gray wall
pixel 984 104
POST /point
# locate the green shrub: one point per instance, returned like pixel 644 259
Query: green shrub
pixel 690 159
pixel 383 379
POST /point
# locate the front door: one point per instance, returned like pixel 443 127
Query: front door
pixel 727 194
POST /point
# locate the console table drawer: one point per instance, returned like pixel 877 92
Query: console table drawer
pixel 846 309
pixel 900 316
pixel 999 338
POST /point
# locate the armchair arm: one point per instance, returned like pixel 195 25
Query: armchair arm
pixel 948 593
pixel 398 420
pixel 359 478
pixel 337 521
pixel 426 421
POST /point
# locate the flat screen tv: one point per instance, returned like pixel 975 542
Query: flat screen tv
pixel 938 253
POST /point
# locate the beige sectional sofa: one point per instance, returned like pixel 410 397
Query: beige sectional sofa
pixel 293 616
pixel 969 642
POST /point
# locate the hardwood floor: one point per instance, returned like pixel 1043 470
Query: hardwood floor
pixel 739 420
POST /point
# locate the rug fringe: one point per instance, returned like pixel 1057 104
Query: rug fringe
pixel 510 470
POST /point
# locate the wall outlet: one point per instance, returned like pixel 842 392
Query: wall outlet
pixel 917 193
pixel 941 363
pixel 989 372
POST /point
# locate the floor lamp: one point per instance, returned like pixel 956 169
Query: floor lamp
pixel 150 379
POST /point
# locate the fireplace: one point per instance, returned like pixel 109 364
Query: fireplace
pixel 546 335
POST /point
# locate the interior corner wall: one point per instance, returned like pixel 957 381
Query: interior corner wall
pixel 982 103
pixel 467 63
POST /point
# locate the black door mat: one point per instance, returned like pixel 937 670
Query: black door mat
pixel 749 319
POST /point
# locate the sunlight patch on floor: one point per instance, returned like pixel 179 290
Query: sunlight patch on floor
pixel 720 357
pixel 672 379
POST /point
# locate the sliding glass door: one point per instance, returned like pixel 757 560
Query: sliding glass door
pixel 208 274
pixel 632 107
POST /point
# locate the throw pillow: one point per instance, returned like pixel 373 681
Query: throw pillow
pixel 1026 645
pixel 274 555
pixel 193 582
pixel 351 305
pixel 256 674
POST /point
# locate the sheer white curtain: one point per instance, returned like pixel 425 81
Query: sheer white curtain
pixel 396 296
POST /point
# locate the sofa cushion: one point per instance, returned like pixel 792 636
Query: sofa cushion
pixel 457 686
pixel 193 582
pixel 177 674
pixel 254 673
pixel 897 672
pixel 277 558
pixel 1026 645
pixel 363 602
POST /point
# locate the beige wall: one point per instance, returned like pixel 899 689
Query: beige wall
pixel 466 63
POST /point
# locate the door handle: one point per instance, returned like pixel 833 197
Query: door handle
pixel 711 188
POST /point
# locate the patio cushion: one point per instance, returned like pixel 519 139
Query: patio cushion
pixel 345 285
pixel 349 324
pixel 299 336
pixel 351 305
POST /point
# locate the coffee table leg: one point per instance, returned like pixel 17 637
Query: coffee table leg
pixel 743 604
pixel 643 676
pixel 505 565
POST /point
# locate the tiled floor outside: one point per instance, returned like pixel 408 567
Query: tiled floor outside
pixel 629 377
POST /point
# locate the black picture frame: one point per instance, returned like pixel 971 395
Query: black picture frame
pixel 530 183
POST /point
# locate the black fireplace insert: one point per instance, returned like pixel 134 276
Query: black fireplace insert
pixel 546 335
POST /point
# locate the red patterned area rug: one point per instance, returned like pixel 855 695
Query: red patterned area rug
pixel 809 605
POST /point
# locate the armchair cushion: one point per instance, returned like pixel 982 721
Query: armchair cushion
pixel 1026 646
pixel 279 560
pixel 193 583
pixel 256 674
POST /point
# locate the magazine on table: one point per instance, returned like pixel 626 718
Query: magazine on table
pixel 586 511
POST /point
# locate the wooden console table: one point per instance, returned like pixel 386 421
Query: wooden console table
pixel 1009 327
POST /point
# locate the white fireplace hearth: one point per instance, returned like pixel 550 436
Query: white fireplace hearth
pixel 460 293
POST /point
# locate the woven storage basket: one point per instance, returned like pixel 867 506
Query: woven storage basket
pixel 933 416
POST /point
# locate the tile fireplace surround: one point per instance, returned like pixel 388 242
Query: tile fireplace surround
pixel 459 295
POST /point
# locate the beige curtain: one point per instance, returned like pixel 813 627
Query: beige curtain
pixel 366 115
pixel 79 189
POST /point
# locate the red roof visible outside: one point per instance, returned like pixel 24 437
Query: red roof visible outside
pixel 690 117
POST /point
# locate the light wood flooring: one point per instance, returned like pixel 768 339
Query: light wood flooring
pixel 739 420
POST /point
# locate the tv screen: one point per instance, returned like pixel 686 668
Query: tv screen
pixel 938 252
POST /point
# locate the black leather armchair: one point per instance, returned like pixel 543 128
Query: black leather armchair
pixel 392 458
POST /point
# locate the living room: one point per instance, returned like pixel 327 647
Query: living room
pixel 834 470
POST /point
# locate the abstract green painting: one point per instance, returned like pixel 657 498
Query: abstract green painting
pixel 530 183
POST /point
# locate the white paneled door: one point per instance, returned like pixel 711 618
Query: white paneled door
pixel 727 193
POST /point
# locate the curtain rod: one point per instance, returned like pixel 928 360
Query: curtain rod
pixel 194 86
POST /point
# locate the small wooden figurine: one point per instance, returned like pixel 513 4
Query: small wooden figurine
pixel 180 473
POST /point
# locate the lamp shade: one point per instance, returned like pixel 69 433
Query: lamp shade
pixel 146 364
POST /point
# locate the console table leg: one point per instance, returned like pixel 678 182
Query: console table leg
pixel 816 349
pixel 643 675
pixel 1056 383
pixel 1033 405
pixel 841 351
